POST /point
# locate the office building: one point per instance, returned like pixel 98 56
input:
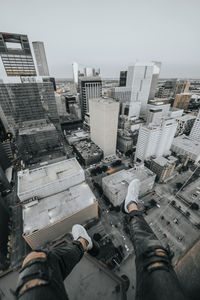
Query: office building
pixel 83 71
pixel 121 93
pixel 156 111
pixel 182 86
pixel 182 100
pixel 122 78
pixel 6 154
pixel 139 79
pixel 154 81
pixel 115 186
pixel 195 131
pixel 38 137
pixel 16 55
pixel 185 146
pixel 88 153
pixel 124 140
pixel 163 167
pixel 41 59
pixel 155 139
pixel 185 124
pixel 55 197
pixel 103 123
pixel 90 88
pixel 166 88
pixel 26 102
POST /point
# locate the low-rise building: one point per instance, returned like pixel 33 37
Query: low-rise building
pixel 124 140
pixel 88 152
pixel 185 146
pixel 163 167
pixel 115 186
pixel 54 197
pixel 75 136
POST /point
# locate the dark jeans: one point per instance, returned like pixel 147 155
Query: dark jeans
pixel 153 282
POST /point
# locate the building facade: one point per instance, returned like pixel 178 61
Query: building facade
pixel 182 100
pixel 26 102
pixel 41 59
pixel 90 88
pixel 195 131
pixel 103 123
pixel 163 167
pixel 16 55
pixel 122 78
pixel 185 124
pixel 155 139
pixel 139 79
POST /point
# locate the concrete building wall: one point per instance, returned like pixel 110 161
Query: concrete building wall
pixel 40 237
pixel 155 140
pixel 182 100
pixel 41 59
pixel 103 123
pixel 195 132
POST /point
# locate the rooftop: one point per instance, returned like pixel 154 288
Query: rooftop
pixel 88 148
pixel 187 144
pixel 104 100
pixel 46 176
pixel 162 161
pixel 186 117
pixel 56 207
pixel 117 180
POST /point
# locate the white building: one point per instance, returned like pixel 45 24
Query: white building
pixel 139 79
pixel 55 197
pixel 115 186
pixel 121 93
pixel 41 59
pixel 195 132
pixel 156 111
pixel 103 123
pixel 184 145
pixel 155 139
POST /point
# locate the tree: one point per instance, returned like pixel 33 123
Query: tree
pixel 179 185
pixel 173 203
pixel 194 206
pixel 187 214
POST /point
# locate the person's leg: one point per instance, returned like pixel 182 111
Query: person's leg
pixel 43 272
pixel 156 278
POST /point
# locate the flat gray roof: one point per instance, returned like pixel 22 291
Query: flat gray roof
pixel 56 207
pixel 44 175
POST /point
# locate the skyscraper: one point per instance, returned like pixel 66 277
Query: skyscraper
pixel 139 79
pixel 25 102
pixel 90 88
pixel 195 132
pixel 41 59
pixel 182 100
pixel 103 123
pixel 122 79
pixel 16 55
pixel 155 139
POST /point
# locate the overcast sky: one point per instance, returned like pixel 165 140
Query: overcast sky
pixel 110 34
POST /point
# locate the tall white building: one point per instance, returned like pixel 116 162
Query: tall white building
pixel 90 88
pixel 41 59
pixel 155 139
pixel 195 132
pixel 142 79
pixel 103 123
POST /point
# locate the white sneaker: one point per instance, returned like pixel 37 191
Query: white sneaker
pixel 78 231
pixel 132 194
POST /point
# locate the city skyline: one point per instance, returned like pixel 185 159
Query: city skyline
pixel 129 32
